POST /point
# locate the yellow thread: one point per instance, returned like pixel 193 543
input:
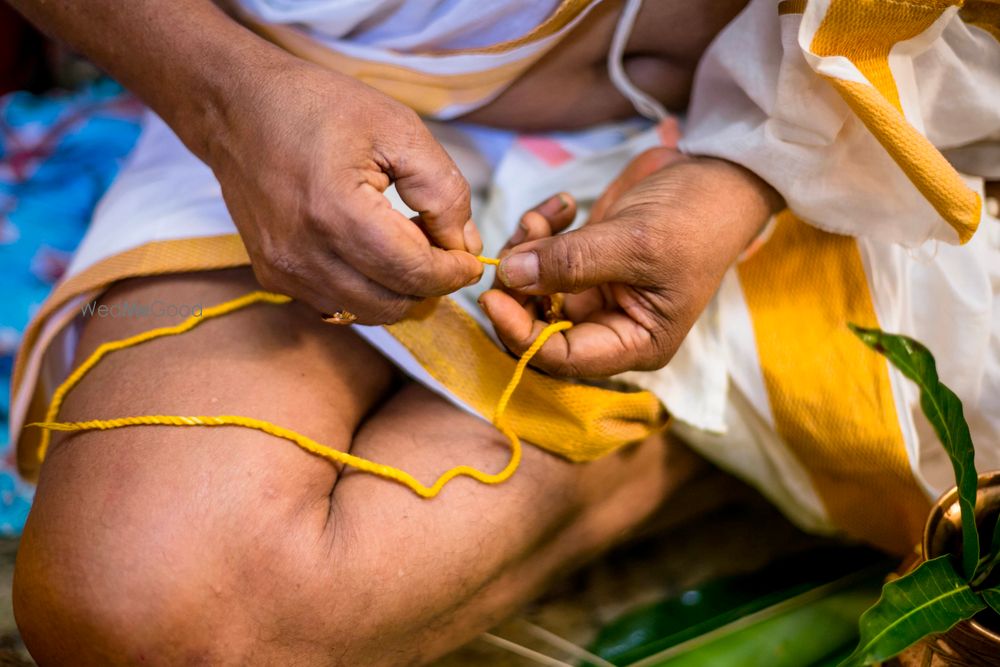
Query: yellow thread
pixel 190 323
pixel 308 444
pixel 488 260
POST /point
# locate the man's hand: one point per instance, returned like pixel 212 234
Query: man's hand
pixel 303 170
pixel 303 154
pixel 639 273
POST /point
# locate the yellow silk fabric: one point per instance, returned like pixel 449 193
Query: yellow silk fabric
pixel 830 396
pixel 865 33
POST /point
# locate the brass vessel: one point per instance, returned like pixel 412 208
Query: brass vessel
pixel 976 642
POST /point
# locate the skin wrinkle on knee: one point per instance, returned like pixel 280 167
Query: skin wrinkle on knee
pixel 394 644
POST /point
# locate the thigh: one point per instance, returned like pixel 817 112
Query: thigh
pixel 469 558
pixel 279 363
pixel 270 553
pixel 119 513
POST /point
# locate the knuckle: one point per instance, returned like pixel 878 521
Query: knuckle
pixel 280 262
pixel 453 192
pixel 564 369
pixel 641 238
pixel 409 132
pixel 570 265
pixel 660 350
pixel 463 192
pixel 652 360
pixel 410 276
pixel 560 364
pixel 639 241
pixel 265 277
pixel 411 120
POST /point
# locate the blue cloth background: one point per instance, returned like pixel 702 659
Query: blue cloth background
pixel 58 154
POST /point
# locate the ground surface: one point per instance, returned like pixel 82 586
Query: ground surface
pixel 724 528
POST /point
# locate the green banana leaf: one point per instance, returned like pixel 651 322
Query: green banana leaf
pixel 806 630
pixel 944 411
pixel 726 602
pixel 928 600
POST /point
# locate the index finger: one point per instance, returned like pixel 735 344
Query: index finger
pixel 606 344
pixel 430 183
pixel 386 246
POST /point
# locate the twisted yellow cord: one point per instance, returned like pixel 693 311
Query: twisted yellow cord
pixel 308 444
pixel 112 346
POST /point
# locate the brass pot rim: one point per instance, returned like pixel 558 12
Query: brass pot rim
pixel 941 505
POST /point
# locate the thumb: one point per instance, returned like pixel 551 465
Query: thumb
pixel 572 262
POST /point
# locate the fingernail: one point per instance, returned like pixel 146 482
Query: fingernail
pixel 520 270
pixel 482 304
pixel 519 235
pixel 554 205
pixel 473 243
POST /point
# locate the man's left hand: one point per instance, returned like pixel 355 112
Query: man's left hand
pixel 639 273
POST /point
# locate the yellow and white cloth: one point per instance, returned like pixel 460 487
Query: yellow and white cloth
pixel 877 121
pixel 442 58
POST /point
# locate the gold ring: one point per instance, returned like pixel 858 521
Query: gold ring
pixel 339 317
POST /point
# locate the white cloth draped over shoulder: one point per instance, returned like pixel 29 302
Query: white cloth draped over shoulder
pixel 764 99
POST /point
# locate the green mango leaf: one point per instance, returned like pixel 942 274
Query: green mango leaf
pixel 928 600
pixel 984 570
pixel 992 598
pixel 944 411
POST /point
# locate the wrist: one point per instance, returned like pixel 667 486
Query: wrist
pixel 750 201
pixel 750 189
pixel 224 91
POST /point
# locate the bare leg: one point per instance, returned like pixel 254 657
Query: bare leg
pixel 166 545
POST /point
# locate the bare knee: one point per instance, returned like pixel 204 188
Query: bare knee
pixel 162 603
pixel 77 603
pixel 199 580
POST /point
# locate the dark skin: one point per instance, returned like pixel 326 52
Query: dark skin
pixel 630 305
pixel 658 242
pixel 303 155
pixel 224 546
pixel 660 57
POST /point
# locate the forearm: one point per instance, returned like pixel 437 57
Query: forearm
pixel 186 59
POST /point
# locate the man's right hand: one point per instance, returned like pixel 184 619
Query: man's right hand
pixel 303 165
pixel 303 154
